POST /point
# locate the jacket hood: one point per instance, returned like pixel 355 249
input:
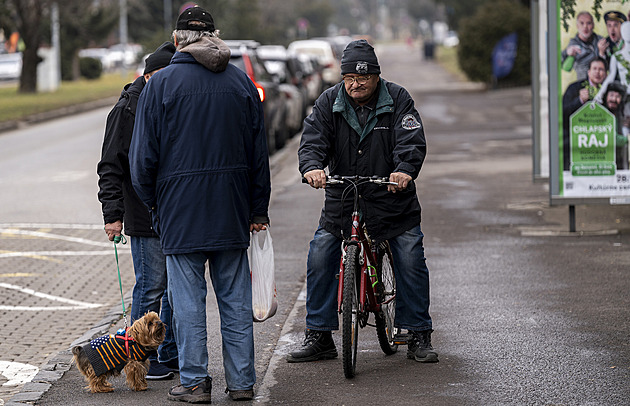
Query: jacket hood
pixel 134 89
pixel 211 52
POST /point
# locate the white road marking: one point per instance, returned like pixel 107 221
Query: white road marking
pixel 77 304
pixel 17 373
pixel 61 253
pixel 55 237
pixel 51 225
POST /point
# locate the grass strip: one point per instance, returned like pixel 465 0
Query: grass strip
pixel 16 106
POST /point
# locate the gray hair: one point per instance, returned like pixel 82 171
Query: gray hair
pixel 187 37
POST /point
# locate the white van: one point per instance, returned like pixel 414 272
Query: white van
pixel 322 50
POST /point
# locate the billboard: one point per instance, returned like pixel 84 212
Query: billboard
pixel 589 75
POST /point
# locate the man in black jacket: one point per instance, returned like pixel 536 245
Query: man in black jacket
pixel 365 126
pixel 121 204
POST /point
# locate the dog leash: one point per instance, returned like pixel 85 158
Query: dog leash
pixel 117 239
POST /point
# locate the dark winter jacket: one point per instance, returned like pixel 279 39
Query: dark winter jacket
pixel 391 141
pixel 199 155
pixel 118 199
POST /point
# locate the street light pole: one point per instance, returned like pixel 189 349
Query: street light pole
pixel 168 9
pixel 56 46
pixel 123 31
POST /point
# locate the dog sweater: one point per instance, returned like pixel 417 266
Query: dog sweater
pixel 110 352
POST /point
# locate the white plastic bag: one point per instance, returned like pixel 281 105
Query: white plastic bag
pixel 264 298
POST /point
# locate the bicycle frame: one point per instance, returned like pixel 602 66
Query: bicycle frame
pixel 367 260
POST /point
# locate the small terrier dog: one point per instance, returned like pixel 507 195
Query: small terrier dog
pixel 107 356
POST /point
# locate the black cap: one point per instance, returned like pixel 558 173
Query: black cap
pixel 615 16
pixel 359 57
pixel 195 19
pixel 160 58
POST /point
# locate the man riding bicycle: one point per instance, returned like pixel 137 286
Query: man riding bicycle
pixel 365 126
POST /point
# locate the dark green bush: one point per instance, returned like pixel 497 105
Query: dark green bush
pixel 479 34
pixel 90 68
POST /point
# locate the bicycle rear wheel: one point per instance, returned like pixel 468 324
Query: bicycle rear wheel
pixel 350 311
pixel 385 329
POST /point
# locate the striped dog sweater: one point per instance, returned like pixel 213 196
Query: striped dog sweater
pixel 110 352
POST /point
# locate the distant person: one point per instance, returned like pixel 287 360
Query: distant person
pixel 120 204
pixel 614 42
pixel 365 126
pixel 582 48
pixel 613 101
pixel 575 96
pixel 199 161
pixel 619 68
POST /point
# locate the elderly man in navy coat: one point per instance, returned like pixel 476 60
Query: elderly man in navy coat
pixel 199 162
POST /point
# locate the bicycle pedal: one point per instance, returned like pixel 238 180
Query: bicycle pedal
pixel 402 339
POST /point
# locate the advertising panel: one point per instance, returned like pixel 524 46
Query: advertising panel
pixel 589 71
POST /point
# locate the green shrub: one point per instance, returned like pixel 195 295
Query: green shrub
pixel 479 34
pixel 90 68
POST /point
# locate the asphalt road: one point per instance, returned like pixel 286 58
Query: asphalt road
pixel 524 312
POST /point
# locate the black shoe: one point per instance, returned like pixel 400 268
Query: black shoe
pixel 244 394
pixel 420 347
pixel 197 394
pixel 317 345
pixel 159 372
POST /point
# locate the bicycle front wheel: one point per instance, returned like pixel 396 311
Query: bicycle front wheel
pixel 350 311
pixel 385 329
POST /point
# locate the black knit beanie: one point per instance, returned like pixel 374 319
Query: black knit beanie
pixel 359 57
pixel 160 58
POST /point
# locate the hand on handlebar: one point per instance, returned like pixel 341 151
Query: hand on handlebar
pixel 316 178
pixel 402 179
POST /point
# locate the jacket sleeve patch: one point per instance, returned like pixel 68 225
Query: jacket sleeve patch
pixel 409 122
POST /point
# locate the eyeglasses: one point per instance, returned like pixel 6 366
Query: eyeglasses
pixel 361 80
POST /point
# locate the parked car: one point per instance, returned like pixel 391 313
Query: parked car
pixel 244 57
pixel 102 54
pixel 311 76
pixel 10 66
pixel 338 42
pixel 276 61
pixel 323 51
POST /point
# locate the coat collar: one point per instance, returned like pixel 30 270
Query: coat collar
pixel 384 104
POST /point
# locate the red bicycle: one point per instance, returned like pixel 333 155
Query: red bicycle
pixel 366 281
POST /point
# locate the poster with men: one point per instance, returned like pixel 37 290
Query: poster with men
pixel 593 79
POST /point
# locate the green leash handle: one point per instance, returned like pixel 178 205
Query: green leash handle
pixel 118 239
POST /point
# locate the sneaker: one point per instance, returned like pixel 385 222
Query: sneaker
pixel 317 345
pixel 159 372
pixel 420 347
pixel 246 394
pixel 197 394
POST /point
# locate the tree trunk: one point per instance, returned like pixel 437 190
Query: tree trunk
pixel 30 14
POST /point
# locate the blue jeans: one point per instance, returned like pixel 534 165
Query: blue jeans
pixel 229 272
pixel 149 264
pixel 410 270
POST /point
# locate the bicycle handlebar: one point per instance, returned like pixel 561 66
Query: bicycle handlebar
pixel 340 180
